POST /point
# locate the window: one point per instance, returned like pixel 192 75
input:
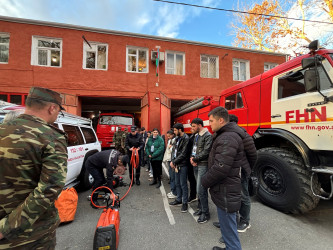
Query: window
pixel 88 135
pixel 96 56
pixel 175 63
pixel 209 66
pixel 234 101
pixel 240 69
pixel 46 52
pixel 293 83
pixel 115 120
pixel 137 60
pixel 4 48
pixel 74 135
pixel 268 66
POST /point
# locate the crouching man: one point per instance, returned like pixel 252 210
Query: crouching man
pixel 108 159
pixel 223 174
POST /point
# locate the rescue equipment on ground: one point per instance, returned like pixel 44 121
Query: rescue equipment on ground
pixel 107 229
pixel 67 204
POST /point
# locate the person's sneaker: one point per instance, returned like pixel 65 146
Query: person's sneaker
pixel 192 199
pixel 216 224
pixel 147 170
pixel 219 248
pixel 175 203
pixel 150 175
pixel 203 218
pixel 197 213
pixel 243 226
pixel 221 240
pixel 171 196
pixel 184 208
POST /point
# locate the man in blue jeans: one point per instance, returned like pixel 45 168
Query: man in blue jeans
pixel 167 161
pixel 179 164
pixel 223 174
pixel 202 143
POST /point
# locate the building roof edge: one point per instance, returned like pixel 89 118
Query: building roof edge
pixel 123 33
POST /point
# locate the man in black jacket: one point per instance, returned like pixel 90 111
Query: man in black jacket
pixel 179 164
pixel 202 143
pixel 134 141
pixel 248 162
pixel 223 174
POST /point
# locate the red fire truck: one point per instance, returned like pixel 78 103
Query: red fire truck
pixel 108 124
pixel 289 112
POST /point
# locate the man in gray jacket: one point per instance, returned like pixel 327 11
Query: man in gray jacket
pixel 202 143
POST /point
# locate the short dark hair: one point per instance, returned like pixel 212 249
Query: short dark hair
pixel 197 121
pixel 233 118
pixel 170 132
pixel 143 129
pixel 179 126
pixel 124 159
pixel 220 112
pixel 156 129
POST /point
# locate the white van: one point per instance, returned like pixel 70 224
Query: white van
pixel 82 143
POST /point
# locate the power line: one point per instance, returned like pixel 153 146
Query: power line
pixel 242 12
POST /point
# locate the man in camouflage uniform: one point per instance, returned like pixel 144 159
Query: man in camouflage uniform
pixel 119 139
pixel 33 167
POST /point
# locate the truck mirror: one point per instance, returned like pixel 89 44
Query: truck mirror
pixel 308 62
pixel 310 80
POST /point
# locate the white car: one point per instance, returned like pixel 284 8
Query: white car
pixel 82 143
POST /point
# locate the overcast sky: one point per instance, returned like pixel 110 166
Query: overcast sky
pixel 138 16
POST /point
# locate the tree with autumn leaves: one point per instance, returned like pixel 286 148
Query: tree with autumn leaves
pixel 264 25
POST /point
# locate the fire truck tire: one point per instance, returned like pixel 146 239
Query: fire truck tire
pixel 284 182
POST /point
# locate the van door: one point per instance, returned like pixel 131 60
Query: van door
pixel 303 113
pixel 76 152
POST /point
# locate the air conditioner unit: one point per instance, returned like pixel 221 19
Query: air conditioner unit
pixel 154 56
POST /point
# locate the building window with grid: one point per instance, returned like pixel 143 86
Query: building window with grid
pixel 240 70
pixel 268 66
pixel 175 63
pixel 46 51
pixel 95 56
pixel 4 48
pixel 209 66
pixel 137 60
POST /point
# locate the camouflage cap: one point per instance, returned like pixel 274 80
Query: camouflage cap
pixel 47 95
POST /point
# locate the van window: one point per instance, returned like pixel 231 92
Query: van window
pixel 88 135
pixel 74 135
pixel 234 101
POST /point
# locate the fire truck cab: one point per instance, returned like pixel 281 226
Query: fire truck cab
pixel 289 112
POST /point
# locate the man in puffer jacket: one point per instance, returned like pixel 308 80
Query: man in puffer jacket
pixel 223 174
pixel 249 160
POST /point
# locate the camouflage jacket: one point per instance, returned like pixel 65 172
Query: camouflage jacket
pixel 33 167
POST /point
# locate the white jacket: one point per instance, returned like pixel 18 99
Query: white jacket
pixel 168 151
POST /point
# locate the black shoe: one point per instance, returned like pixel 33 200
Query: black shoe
pixel 197 213
pixel 153 183
pixel 138 182
pixel 192 199
pixel 243 226
pixel 203 218
pixel 175 203
pixel 219 248
pixel 158 184
pixel 221 240
pixel 184 208
pixel 133 182
pixel 216 224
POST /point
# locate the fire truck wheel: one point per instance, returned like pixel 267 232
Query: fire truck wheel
pixel 284 182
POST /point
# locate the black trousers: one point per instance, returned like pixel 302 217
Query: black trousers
pixel 192 181
pixel 157 169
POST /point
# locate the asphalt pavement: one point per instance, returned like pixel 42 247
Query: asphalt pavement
pixel 148 222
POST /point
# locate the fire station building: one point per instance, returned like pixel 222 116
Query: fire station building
pixel 99 70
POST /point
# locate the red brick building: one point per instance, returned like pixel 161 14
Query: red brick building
pixel 104 70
